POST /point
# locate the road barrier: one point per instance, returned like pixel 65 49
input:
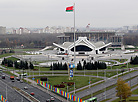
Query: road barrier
pixel 57 90
pixel 3 99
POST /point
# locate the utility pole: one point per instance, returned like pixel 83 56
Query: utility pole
pixel 105 82
pixel 22 99
pixel 74 88
pixel 6 93
pixel 97 72
pixel 67 92
pixel 39 70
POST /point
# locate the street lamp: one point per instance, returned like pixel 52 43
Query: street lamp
pixel 97 72
pixel 67 92
pixel 74 88
pixel 6 92
pixel 105 82
pixel 39 70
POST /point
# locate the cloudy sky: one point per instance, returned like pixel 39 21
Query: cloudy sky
pixel 42 13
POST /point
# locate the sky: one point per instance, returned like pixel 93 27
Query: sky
pixel 42 13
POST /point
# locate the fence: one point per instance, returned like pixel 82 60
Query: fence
pixel 2 99
pixel 57 90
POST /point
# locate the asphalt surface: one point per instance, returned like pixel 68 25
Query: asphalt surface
pixel 111 93
pixel 39 94
pixel 105 84
pixel 112 55
pixel 12 95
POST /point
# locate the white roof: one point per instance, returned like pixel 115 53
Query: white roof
pixel 82 41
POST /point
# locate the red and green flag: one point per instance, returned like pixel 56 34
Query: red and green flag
pixel 69 9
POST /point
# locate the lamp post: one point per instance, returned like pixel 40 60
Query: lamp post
pixel 39 70
pixel 117 72
pixel 67 92
pixel 97 72
pixel 6 92
pixel 74 88
pixel 84 70
pixel 105 82
pixel 137 80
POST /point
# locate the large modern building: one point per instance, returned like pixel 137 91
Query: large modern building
pixel 82 47
pixel 93 36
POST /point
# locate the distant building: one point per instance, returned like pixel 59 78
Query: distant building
pixel 91 36
pixel 82 47
pixel 94 36
pixel 2 30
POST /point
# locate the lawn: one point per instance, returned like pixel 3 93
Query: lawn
pixel 26 49
pixel 120 60
pixel 5 55
pixel 130 99
pixel 12 59
pixel 80 81
pixel 135 91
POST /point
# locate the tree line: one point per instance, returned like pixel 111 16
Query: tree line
pixel 28 40
pixel 59 66
pixel 86 65
pixel 134 60
pixel 17 65
pixel 91 66
pixel 130 39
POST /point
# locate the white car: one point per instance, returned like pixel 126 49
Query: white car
pixel 26 88
pixel 52 99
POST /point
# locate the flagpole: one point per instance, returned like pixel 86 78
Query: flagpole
pixel 74 37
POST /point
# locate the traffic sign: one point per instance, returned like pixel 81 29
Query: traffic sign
pixel 71 73
pixel 71 65
pixel 33 78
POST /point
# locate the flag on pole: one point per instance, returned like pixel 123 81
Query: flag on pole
pixel 69 9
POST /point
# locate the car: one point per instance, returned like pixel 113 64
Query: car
pixel 13 80
pixel 17 78
pixel 26 88
pixel 32 93
pixel 21 81
pixel 48 100
pixel 3 77
pixel 52 99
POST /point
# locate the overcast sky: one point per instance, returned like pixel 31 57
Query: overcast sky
pixel 42 13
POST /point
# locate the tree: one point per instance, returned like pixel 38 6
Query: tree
pixel 79 66
pixel 123 89
pixel 31 66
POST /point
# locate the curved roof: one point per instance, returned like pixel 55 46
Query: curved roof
pixel 82 41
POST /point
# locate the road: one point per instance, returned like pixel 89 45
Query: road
pixel 39 94
pixel 105 84
pixel 111 93
pixel 12 95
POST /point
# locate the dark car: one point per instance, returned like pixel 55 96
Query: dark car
pixel 3 76
pixel 17 78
